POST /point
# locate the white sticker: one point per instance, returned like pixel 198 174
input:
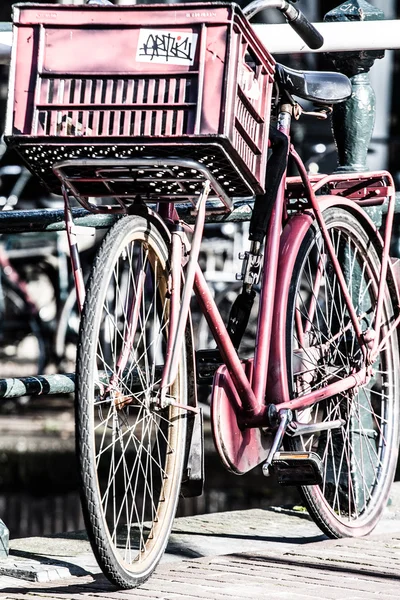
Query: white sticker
pixel 166 47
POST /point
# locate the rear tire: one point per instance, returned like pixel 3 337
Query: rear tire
pixel 359 458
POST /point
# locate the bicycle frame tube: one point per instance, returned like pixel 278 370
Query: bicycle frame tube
pixel 253 398
pixel 73 249
pixel 333 389
pixel 224 343
pixel 270 268
pixel 266 311
pixel 175 289
pixel 178 324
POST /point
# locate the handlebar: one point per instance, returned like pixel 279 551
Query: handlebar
pixel 295 18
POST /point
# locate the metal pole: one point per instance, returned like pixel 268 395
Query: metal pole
pixel 339 37
pixel 281 39
pixel 353 120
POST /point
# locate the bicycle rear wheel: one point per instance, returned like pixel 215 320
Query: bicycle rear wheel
pixel 130 450
pixel 22 343
pixel 359 457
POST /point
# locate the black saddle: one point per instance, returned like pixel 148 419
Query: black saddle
pixel 321 87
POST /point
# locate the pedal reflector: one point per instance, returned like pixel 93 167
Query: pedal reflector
pixel 297 468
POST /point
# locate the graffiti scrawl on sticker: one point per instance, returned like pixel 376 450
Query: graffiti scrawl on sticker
pixel 166 47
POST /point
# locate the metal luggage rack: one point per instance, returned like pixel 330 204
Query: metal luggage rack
pixel 95 181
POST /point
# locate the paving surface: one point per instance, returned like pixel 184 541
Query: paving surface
pixel 244 554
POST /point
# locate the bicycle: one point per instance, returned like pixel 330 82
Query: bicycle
pixel 319 400
pixel 25 324
pixel 39 320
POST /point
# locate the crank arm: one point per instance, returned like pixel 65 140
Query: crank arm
pixel 295 428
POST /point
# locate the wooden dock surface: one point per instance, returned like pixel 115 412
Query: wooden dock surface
pixel 257 554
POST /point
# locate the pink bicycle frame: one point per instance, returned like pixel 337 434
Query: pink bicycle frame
pixel 249 385
pixel 252 412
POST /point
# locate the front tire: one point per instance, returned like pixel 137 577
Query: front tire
pixel 130 450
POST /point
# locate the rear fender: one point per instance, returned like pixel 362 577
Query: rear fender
pixel 291 239
pixel 293 234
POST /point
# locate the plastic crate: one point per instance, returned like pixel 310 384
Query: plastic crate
pixel 121 82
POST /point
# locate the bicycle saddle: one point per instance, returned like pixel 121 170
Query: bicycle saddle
pixel 322 87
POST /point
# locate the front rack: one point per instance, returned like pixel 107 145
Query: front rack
pixel 205 96
pixel 126 181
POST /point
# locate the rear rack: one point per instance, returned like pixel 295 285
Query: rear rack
pixel 366 189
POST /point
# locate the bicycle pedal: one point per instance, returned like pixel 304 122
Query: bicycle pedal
pixel 208 362
pixel 297 468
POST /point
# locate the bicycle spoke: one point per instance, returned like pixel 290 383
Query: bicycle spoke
pixel 137 447
pixel 355 457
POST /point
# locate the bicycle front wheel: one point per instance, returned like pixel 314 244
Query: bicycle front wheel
pixel 359 455
pixel 130 450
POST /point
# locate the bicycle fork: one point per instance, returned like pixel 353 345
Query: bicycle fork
pixel 179 312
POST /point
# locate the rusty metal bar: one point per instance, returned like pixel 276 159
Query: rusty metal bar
pixel 24 221
pixel 37 220
pixel 41 385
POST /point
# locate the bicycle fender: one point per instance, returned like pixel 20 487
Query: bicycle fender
pixel 293 234
pixel 329 201
pixel 144 211
pixel 193 470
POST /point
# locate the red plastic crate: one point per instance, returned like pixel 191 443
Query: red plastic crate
pixel 173 80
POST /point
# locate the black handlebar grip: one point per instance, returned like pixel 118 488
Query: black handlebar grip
pixel 306 30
